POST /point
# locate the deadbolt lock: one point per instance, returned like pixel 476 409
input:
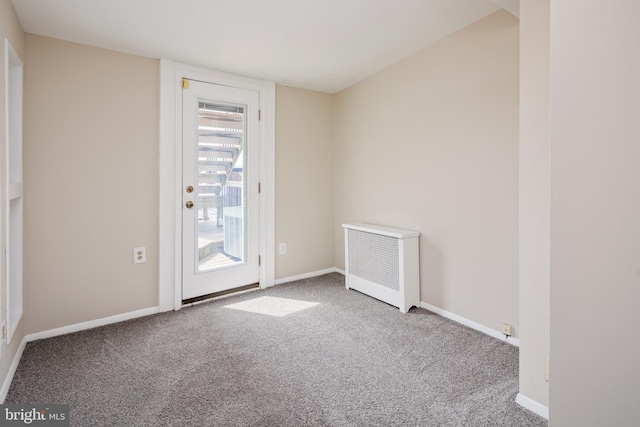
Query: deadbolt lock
pixel 189 204
pixel 190 189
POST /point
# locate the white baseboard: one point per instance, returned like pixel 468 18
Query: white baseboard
pixel 306 275
pixel 92 324
pixel 470 323
pixel 12 371
pixel 532 405
pixel 341 271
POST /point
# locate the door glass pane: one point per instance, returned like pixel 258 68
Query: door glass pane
pixel 221 210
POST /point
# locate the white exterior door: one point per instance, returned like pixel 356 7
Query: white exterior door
pixel 220 175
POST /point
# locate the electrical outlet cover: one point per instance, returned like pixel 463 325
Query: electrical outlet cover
pixel 282 250
pixel 506 329
pixel 139 255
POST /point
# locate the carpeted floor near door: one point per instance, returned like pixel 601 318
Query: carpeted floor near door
pixel 265 358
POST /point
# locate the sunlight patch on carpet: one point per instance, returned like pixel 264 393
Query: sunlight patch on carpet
pixel 272 306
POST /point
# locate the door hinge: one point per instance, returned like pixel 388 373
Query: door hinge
pixel 259 115
pixel 259 188
pixel 259 260
pixel 185 84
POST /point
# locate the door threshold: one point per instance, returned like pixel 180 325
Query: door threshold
pixel 216 295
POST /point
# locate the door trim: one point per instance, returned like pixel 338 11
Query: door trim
pixel 14 207
pixel 170 167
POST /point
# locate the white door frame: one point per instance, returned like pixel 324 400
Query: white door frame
pixel 170 175
pixel 14 87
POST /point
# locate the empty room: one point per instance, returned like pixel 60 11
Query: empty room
pixel 281 212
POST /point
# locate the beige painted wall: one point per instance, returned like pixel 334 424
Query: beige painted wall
pixel 431 144
pixel 304 181
pixel 535 199
pixel 9 29
pixel 595 213
pixel 91 191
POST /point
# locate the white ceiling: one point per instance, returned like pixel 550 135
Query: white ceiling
pixel 324 45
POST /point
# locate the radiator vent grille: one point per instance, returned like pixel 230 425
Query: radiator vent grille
pixel 374 257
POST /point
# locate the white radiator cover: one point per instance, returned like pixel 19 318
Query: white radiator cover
pixel 383 262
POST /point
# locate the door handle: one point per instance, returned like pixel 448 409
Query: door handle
pixel 189 189
pixel 189 204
